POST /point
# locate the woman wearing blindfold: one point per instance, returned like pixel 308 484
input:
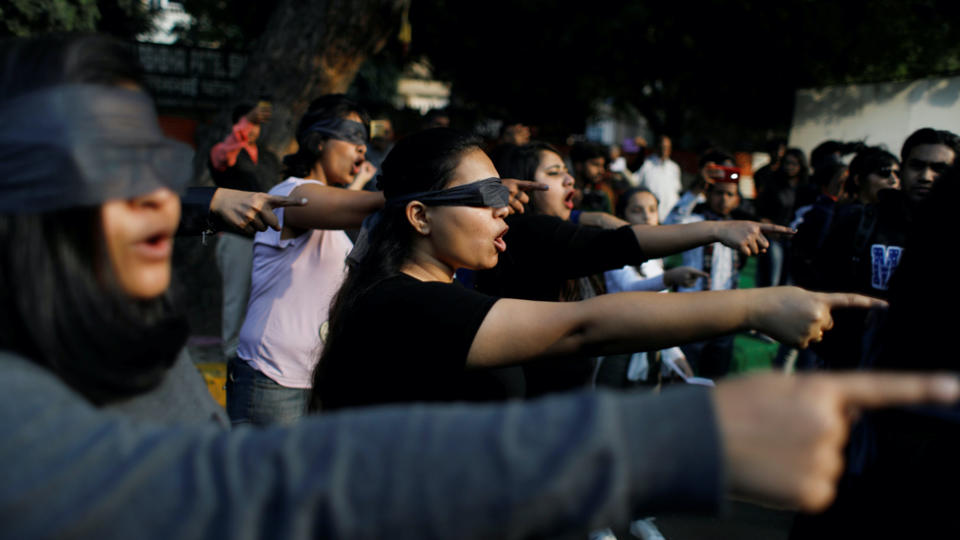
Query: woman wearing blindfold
pixel 435 340
pixel 299 265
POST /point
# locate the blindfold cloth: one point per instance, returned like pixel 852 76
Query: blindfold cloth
pixel 489 192
pixel 82 144
pixel 342 130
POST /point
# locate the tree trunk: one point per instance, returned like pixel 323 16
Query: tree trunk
pixel 310 48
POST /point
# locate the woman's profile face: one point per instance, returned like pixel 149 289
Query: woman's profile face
pixel 341 160
pixel 467 236
pixel 138 234
pixel 558 200
pixel 642 209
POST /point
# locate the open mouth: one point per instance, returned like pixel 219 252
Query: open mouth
pixel 568 200
pixel 355 170
pixel 156 247
pixel 499 242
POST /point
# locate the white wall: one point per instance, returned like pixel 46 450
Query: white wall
pixel 881 113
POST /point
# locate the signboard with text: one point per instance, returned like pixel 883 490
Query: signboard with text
pixel 190 77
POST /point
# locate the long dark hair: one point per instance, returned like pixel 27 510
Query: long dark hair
pixel 60 303
pixel 424 161
pixel 302 161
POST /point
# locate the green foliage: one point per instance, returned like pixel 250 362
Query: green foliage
pixel 27 17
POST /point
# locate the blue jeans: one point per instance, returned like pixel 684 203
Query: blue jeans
pixel 254 398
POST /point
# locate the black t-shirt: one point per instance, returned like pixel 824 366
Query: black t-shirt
pixel 543 254
pixel 418 351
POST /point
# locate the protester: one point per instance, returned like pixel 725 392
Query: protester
pixel 711 358
pixel 762 177
pixel 550 259
pixel 298 268
pixel 639 207
pixel 661 175
pixel 445 210
pixel 866 241
pixel 897 459
pixel 543 163
pixel 776 205
pixel 91 237
pixel 927 154
pixel 710 169
pixel 872 170
pixel 589 165
pixel 813 223
pixel 238 162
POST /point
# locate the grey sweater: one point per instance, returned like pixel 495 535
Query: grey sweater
pixel 559 465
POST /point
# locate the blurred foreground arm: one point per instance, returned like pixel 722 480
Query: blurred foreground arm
pixel 784 436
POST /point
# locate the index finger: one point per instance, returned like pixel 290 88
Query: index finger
pixel 279 201
pixel 853 300
pixel 528 185
pixel 884 389
pixel 777 229
pixel 700 273
pixel 270 219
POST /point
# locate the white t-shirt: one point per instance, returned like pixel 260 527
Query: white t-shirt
pixel 292 284
pixel 662 177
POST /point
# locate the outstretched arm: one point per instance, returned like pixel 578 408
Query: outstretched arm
pixel 404 472
pixel 519 330
pixel 331 208
pixel 749 237
pixel 207 210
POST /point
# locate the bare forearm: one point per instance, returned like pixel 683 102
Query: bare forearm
pixel 627 322
pixel 663 240
pixel 517 330
pixel 332 208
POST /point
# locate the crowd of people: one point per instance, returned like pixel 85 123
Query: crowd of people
pixel 442 371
